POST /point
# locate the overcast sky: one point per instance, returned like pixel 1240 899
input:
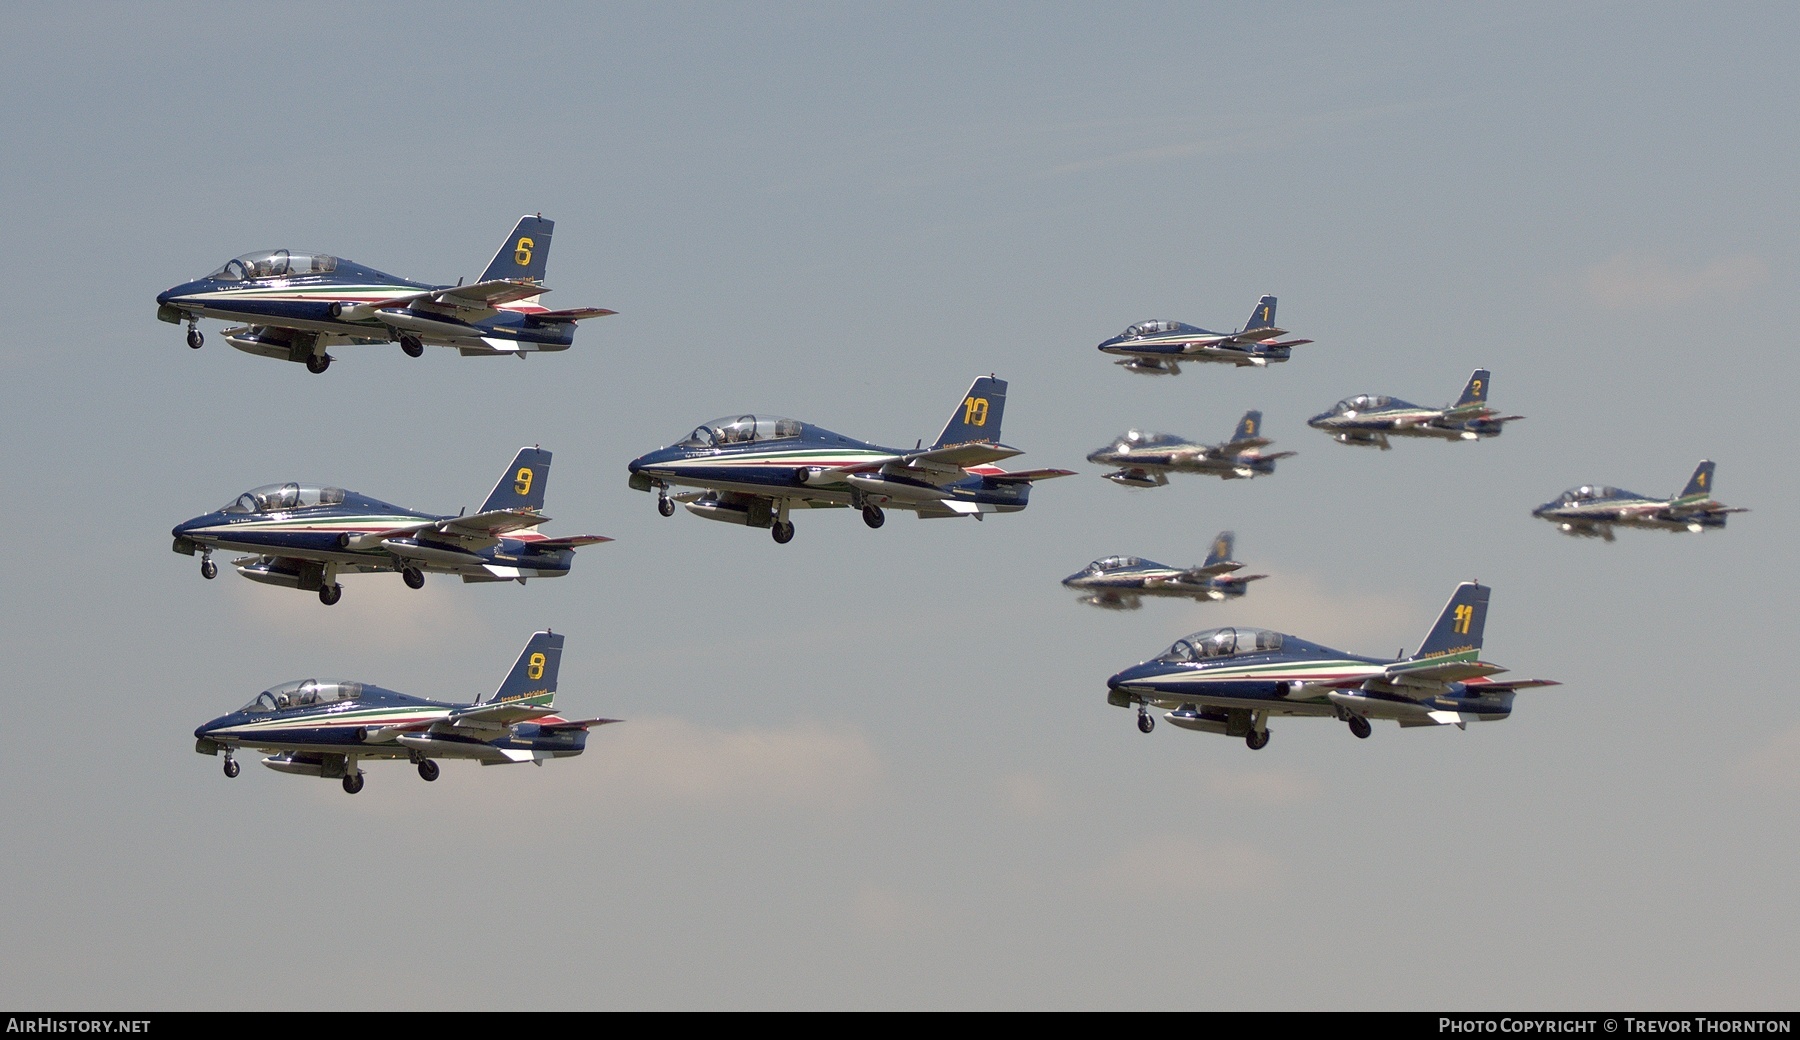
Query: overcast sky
pixel 877 769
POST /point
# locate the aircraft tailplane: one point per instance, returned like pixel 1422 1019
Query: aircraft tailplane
pixel 1476 392
pixel 1221 549
pixel 1249 428
pixel 1700 485
pixel 533 675
pixel 1263 316
pixel 522 485
pixel 977 418
pixel 525 253
pixel 1459 627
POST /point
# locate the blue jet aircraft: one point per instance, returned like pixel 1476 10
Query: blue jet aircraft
pixel 756 468
pixel 299 304
pixel 1116 582
pixel 1591 511
pixel 305 535
pixel 1146 459
pixel 1231 680
pixel 1157 348
pixel 328 727
pixel 1369 419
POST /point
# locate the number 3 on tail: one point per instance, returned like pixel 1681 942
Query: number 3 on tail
pixel 975 411
pixel 1462 619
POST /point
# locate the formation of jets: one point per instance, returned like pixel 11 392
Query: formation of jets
pixel 1146 459
pixel 329 727
pixel 755 469
pixel 304 535
pixel 296 305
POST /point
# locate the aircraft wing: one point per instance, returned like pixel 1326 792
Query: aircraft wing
pixel 491 524
pixel 574 314
pixel 1197 575
pixel 477 296
pixel 551 727
pixel 574 542
pixel 494 716
pixel 1482 684
pixel 1267 332
pixel 1436 675
pixel 1026 476
pixel 951 462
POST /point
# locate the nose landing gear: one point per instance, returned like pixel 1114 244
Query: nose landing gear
pixel 664 505
pixel 1145 722
pixel 195 339
pixel 873 516
pixel 208 569
pixel 232 769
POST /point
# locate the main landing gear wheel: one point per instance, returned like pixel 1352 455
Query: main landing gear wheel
pixel 412 346
pixel 1255 740
pixel 782 531
pixel 195 339
pixel 208 569
pixel 1145 722
pixel 318 363
pixel 664 506
pixel 232 769
pixel 873 516
pixel 353 783
pixel 428 770
pixel 414 577
pixel 329 594
pixel 1360 726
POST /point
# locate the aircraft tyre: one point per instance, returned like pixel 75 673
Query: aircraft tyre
pixel 329 594
pixel 873 516
pixel 1361 727
pixel 664 506
pixel 195 339
pixel 428 770
pixel 208 569
pixel 412 346
pixel 782 531
pixel 353 783
pixel 232 769
pixel 1256 741
pixel 414 577
pixel 1145 722
pixel 318 363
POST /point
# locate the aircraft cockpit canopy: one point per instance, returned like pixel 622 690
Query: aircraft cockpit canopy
pixel 1592 491
pixel 742 429
pixel 1149 328
pixel 276 498
pixel 1113 563
pixel 1222 642
pixel 303 693
pixel 1366 403
pixel 274 263
pixel 1144 439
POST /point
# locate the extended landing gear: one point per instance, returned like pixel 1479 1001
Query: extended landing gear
pixel 318 363
pixel 414 577
pixel 1360 726
pixel 195 339
pixel 1145 722
pixel 1256 739
pixel 232 769
pixel 412 346
pixel 873 516
pixel 782 531
pixel 353 782
pixel 664 505
pixel 329 594
pixel 208 569
pixel 428 770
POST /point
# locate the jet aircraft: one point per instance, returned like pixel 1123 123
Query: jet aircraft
pixel 329 727
pixel 1369 419
pixel 1231 680
pixel 1117 582
pixel 755 469
pixel 305 535
pixel 296 305
pixel 1157 348
pixel 1146 459
pixel 1591 511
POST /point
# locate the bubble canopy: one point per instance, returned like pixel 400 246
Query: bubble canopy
pixel 274 263
pixel 274 498
pixel 1222 642
pixel 303 693
pixel 742 429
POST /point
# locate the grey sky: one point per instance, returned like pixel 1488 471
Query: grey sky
pixel 877 769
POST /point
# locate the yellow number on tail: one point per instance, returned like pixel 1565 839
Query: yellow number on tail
pixel 522 253
pixel 1250 427
pixel 534 669
pixel 1474 388
pixel 522 482
pixel 975 411
pixel 1462 619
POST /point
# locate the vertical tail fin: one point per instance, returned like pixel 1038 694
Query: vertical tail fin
pixel 522 485
pixel 1249 428
pixel 1459 627
pixel 1263 316
pixel 977 418
pixel 1221 549
pixel 1700 485
pixel 1477 390
pixel 525 253
pixel 533 675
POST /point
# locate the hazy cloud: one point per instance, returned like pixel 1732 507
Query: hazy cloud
pixel 1776 764
pixel 1026 794
pixel 878 908
pixel 1170 857
pixel 1264 786
pixel 658 763
pixel 1637 280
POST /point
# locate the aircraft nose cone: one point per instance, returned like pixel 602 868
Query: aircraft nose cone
pixel 1073 580
pixel 1128 679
